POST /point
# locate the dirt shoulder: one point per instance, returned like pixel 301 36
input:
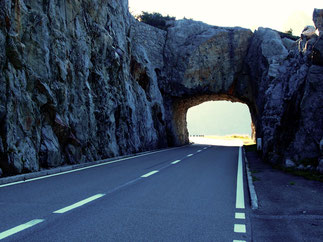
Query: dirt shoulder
pixel 290 207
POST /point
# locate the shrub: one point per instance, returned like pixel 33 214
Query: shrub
pixel 155 19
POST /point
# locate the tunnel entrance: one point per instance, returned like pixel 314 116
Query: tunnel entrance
pixel 182 116
pixel 220 122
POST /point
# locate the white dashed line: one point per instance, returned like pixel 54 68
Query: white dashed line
pixel 150 173
pixel 175 162
pixel 240 228
pixel 239 191
pixel 199 151
pixel 189 155
pixel 239 240
pixel 79 204
pixel 240 216
pixel 20 228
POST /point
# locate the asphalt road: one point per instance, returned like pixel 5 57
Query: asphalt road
pixel 192 193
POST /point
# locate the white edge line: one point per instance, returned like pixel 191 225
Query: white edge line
pixel 20 228
pixel 252 191
pixel 175 162
pixel 239 190
pixel 79 204
pixel 150 173
pixel 84 168
pixel 240 228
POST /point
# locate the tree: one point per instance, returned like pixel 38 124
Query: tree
pixel 155 19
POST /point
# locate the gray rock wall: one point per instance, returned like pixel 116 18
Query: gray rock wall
pixel 286 82
pixel 67 92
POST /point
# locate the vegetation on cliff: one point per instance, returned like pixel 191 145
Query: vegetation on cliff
pixel 155 19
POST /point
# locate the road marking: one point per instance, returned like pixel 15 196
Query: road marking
pixel 199 151
pixel 240 228
pixel 189 155
pixel 84 168
pixel 79 204
pixel 240 216
pixel 150 173
pixel 20 228
pixel 239 240
pixel 205 148
pixel 175 162
pixel 239 191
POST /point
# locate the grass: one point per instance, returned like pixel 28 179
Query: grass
pixel 254 178
pixel 309 175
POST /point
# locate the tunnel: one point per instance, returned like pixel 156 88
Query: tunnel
pixel 181 106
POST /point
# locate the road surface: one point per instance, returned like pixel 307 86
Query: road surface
pixel 191 193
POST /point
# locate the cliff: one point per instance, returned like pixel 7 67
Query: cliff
pixel 86 81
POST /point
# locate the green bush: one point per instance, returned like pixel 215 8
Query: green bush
pixel 155 19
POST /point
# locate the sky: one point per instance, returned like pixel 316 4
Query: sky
pixel 224 118
pixel 276 14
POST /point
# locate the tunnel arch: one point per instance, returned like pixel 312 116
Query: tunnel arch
pixel 181 105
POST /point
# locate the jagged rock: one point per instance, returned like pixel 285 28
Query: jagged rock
pixel 317 55
pixel 320 166
pixel 289 163
pixel 50 152
pixel 308 31
pixel 289 44
pixel 318 20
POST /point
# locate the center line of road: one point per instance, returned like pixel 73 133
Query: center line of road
pixel 175 162
pixel 189 155
pixel 79 204
pixel 20 228
pixel 240 216
pixel 150 173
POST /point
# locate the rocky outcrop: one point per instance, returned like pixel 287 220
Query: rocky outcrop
pixel 286 86
pixel 202 63
pixel 70 90
pixel 86 81
pixel 318 20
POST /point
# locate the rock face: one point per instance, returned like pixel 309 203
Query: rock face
pixel 318 20
pixel 86 81
pixel 71 91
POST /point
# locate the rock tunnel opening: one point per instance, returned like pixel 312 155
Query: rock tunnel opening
pixel 181 108
pixel 221 121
